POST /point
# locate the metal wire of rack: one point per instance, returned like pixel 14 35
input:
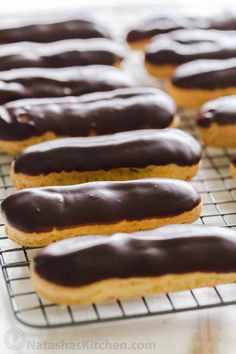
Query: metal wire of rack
pixel 218 192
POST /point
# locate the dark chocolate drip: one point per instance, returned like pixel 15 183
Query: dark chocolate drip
pixel 72 81
pixel 70 52
pixel 206 74
pixel 135 149
pixel 177 249
pixel 50 32
pixel 183 46
pixel 97 113
pixel 221 111
pixel 165 24
pixel 43 209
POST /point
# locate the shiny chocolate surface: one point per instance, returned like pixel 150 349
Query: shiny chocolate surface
pixel 45 209
pixel 175 249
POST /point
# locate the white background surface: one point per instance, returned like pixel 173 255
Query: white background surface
pixel 197 332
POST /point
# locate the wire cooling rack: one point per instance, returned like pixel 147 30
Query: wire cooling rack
pixel 218 192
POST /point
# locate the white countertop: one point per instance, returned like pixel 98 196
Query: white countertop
pixel 195 332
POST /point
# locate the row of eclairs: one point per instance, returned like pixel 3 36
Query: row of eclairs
pixel 97 155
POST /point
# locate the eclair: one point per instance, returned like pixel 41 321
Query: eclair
pixel 168 51
pixel 69 52
pixel 46 32
pixel 171 258
pixel 170 153
pixel 30 121
pixel 38 216
pixel 216 122
pixel 200 81
pixel 142 34
pixel 59 82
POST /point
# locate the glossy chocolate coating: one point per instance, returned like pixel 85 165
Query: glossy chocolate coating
pixel 206 74
pixel 135 149
pixel 70 52
pixel 182 46
pixel 96 113
pixel 43 209
pixel 72 81
pixel 221 111
pixel 50 32
pixel 164 24
pixel 177 249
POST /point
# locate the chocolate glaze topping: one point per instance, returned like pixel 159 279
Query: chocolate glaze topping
pixel 182 46
pixel 70 52
pixel 177 249
pixel 96 113
pixel 135 149
pixel 72 81
pixel 43 209
pixel 164 24
pixel 50 32
pixel 221 111
pixel 206 74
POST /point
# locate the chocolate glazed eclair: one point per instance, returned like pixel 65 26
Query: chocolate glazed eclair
pixel 169 153
pixel 30 121
pixel 216 122
pixel 69 52
pixel 200 81
pixel 59 82
pixel 168 51
pixel 123 266
pixel 140 36
pixel 52 31
pixel 39 216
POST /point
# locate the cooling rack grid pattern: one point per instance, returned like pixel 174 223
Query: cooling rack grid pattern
pixel 218 191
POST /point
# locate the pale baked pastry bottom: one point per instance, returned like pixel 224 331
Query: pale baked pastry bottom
pixel 113 289
pixel 194 98
pixel 21 180
pixel 216 135
pixel 38 239
pixel 160 71
pixel 139 45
